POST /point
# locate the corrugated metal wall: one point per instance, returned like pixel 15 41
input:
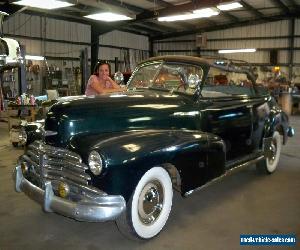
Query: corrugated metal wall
pixel 131 44
pixel 64 40
pixel 38 35
pixel 120 39
pixel 273 35
pixel 264 37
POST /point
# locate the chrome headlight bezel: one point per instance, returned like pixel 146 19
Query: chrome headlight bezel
pixel 95 162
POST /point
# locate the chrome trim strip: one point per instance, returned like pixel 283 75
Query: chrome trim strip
pixel 57 152
pixel 81 185
pixel 27 159
pixel 57 174
pixel 227 173
pixel 79 168
pixel 56 163
pixel 33 155
pixel 67 171
pixel 49 133
pixel 103 208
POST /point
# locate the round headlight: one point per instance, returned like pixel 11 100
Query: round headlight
pixel 95 163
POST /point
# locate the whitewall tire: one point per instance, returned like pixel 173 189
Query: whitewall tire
pixel 149 206
pixel 269 164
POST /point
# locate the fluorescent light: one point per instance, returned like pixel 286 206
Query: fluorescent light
pixel 229 6
pixel 227 51
pixel 177 18
pixel 200 13
pixel 37 58
pixel 46 4
pixel 207 12
pixel 108 17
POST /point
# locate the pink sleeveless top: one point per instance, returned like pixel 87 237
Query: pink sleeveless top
pixel 90 90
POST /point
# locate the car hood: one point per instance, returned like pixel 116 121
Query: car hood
pixel 133 110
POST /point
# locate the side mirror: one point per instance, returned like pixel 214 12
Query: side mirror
pixel 118 77
pixel 193 80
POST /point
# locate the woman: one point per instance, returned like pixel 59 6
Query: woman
pixel 100 82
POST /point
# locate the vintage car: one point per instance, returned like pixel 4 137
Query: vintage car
pixel 119 156
pixel 26 132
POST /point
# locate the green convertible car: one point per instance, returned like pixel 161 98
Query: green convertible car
pixel 182 123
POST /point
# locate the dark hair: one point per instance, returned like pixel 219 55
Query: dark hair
pixel 98 64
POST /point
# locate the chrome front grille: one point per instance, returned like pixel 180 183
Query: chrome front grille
pixel 56 164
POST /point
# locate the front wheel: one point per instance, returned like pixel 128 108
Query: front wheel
pixel 149 207
pixel 269 164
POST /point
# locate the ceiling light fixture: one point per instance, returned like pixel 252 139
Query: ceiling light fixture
pixel 108 17
pixel 46 4
pixel 36 58
pixel 177 18
pixel 200 13
pixel 228 51
pixel 229 6
pixel 207 12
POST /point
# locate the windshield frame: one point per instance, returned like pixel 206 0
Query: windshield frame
pixel 161 64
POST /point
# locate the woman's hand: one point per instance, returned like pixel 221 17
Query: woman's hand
pixel 107 78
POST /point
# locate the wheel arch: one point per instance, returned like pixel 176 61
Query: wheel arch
pixel 278 121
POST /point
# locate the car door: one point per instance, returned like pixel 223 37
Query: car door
pixel 227 110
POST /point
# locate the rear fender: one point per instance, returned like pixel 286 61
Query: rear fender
pixel 278 121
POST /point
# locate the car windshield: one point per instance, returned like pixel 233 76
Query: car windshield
pixel 172 76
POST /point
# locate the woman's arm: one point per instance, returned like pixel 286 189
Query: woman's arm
pixel 99 87
pixel 113 83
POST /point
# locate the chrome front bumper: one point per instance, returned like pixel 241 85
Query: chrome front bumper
pixel 103 208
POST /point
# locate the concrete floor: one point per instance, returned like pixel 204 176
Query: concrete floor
pixel 214 218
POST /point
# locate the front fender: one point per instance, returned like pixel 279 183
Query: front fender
pixel 128 155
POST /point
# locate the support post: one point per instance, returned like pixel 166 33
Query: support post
pixel 291 47
pixel 94 46
pixel 84 69
pixel 22 73
pixel 151 53
pixel 116 64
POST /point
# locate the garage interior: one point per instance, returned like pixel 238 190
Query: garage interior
pixel 60 49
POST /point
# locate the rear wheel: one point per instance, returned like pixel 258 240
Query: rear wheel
pixel 149 206
pixel 269 164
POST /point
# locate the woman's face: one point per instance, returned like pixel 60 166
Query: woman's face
pixel 103 71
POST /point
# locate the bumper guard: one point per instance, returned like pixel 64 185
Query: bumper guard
pixel 103 208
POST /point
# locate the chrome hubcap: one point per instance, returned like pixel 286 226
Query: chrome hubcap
pixel 273 149
pixel 150 202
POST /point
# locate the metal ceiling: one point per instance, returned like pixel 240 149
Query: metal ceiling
pixel 146 13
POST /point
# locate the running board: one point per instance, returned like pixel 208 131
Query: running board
pixel 227 173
